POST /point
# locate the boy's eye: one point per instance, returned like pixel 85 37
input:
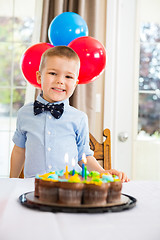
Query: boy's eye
pixel 69 77
pixel 52 73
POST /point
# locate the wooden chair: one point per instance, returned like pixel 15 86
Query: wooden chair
pixel 102 151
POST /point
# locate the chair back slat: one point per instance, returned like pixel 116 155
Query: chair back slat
pixel 102 151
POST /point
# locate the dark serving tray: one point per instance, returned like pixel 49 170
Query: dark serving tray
pixel 30 201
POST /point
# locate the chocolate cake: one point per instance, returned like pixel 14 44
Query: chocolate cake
pixel 70 193
pixel 94 194
pixel 96 189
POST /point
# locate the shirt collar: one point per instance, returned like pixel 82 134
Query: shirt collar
pixel 42 100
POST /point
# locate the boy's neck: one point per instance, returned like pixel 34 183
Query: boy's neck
pixel 65 100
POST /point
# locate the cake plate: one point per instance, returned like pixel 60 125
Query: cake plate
pixel 30 201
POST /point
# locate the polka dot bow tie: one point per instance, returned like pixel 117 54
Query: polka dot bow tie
pixel 55 109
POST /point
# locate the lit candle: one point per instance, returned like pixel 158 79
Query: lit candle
pixel 83 164
pixel 66 161
pixel 73 165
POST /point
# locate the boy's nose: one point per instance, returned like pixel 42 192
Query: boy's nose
pixel 60 80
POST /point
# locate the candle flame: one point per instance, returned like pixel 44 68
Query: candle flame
pixel 84 159
pixel 73 162
pixel 66 157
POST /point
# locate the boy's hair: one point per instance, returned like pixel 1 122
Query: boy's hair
pixel 58 51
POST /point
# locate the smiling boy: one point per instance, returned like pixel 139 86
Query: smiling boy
pixel 50 127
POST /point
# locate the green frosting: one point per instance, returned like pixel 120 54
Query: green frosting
pixel 94 174
pixel 95 179
pixel 70 173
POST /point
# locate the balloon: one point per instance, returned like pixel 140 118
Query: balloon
pixel 92 56
pixel 30 61
pixel 66 27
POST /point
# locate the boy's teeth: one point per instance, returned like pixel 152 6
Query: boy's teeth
pixel 61 90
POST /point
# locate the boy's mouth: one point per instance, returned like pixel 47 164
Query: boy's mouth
pixel 59 89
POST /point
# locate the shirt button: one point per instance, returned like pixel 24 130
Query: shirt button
pixel 49 149
pixel 49 117
pixel 49 132
pixel 49 166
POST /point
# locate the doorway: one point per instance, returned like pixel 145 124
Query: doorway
pixel 134 149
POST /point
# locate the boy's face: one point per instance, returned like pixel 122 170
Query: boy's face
pixel 58 78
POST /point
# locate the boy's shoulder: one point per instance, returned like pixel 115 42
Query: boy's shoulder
pixel 26 108
pixel 76 116
pixel 77 112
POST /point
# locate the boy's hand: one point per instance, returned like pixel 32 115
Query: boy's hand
pixel 122 176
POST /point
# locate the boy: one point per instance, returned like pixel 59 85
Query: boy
pixel 41 140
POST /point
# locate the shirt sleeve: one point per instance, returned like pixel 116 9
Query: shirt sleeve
pixel 19 137
pixel 83 139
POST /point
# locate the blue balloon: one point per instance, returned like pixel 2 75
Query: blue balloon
pixel 66 27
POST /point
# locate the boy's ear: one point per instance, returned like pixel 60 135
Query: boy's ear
pixel 38 76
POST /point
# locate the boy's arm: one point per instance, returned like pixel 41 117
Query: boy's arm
pixel 93 165
pixel 17 161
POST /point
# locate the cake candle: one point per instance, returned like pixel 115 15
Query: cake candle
pixel 85 172
pixel 66 161
pixel 73 165
pixel 83 164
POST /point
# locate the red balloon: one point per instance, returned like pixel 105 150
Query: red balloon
pixel 30 61
pixel 92 56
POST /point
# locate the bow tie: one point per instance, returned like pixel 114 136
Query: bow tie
pixel 55 109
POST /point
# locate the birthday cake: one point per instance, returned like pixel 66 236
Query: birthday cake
pixel 73 189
